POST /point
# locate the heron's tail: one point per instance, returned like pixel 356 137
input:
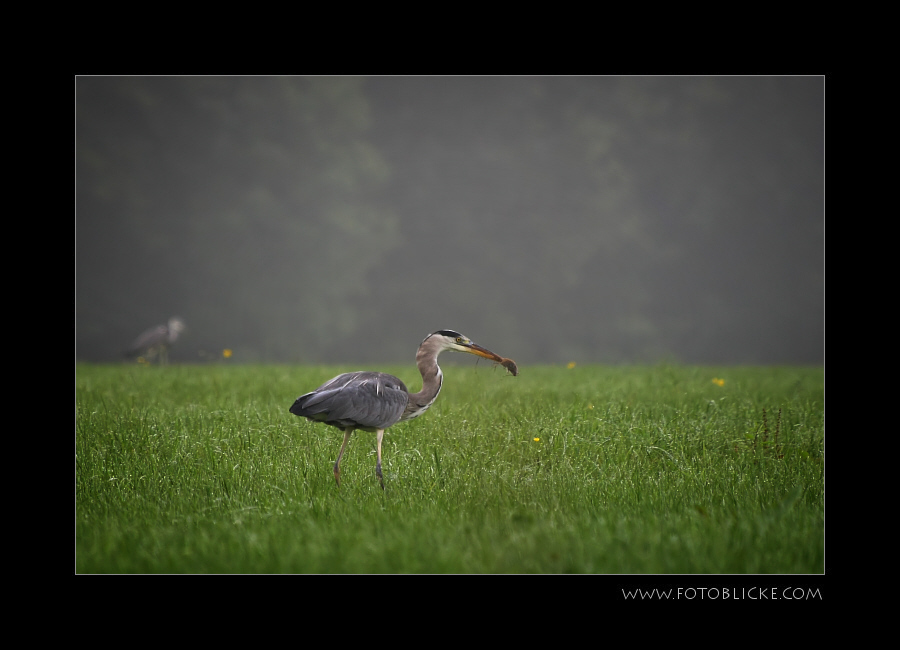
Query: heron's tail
pixel 302 408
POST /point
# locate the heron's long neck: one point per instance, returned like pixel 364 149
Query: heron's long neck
pixel 432 377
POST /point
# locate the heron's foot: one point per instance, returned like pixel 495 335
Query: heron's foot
pixel 337 475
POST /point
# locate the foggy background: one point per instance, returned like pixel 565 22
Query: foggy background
pixel 551 219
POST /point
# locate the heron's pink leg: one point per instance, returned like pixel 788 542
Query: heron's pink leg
pixel 378 465
pixel 337 463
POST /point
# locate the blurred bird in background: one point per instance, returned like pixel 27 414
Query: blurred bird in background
pixel 155 342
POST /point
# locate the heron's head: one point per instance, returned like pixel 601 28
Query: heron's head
pixel 176 327
pixel 451 340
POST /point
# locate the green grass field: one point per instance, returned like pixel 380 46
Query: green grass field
pixel 663 469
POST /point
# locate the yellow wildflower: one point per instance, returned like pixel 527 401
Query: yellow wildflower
pixel 718 382
pixel 537 439
pixel 226 353
pixel 570 365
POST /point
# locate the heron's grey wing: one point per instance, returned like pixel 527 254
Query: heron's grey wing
pixel 366 400
pixel 323 393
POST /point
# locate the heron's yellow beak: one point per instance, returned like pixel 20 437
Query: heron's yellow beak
pixel 474 348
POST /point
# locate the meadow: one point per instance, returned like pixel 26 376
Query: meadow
pixel 591 469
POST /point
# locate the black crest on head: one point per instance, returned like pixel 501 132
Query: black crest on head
pixel 449 333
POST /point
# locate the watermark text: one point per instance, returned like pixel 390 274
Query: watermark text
pixel 724 593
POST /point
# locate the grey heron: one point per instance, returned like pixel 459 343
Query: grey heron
pixel 155 341
pixel 374 401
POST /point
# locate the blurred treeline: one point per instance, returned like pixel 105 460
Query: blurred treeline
pixel 341 219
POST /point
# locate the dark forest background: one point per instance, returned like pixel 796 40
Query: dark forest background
pixel 551 219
